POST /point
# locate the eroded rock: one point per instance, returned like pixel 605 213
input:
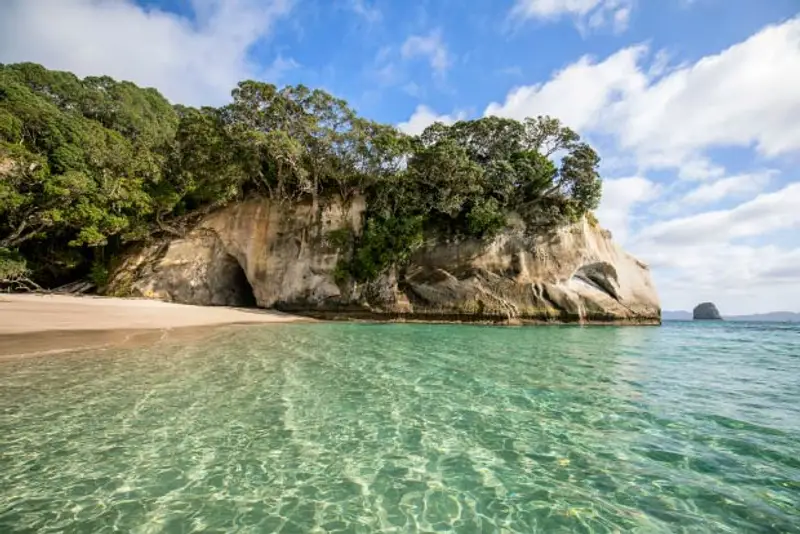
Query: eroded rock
pixel 706 311
pixel 576 274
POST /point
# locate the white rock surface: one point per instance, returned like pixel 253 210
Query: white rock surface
pixel 576 274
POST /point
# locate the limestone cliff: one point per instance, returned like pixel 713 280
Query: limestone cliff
pixel 283 258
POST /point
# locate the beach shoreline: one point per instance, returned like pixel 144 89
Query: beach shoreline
pixel 50 324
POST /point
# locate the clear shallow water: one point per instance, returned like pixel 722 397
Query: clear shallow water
pixel 410 428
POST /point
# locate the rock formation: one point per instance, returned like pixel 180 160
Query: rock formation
pixel 706 312
pixel 257 251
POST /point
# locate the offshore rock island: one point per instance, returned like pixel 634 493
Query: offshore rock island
pixel 286 199
pixel 706 311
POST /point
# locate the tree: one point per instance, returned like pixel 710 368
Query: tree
pixel 328 124
pixel 547 135
pixel 88 165
pixel 443 178
pixel 580 177
pixel 67 179
pixel 488 139
pixel 373 156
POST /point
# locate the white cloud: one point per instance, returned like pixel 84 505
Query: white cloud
pixel 764 214
pixel 723 255
pixel 554 8
pixel 578 93
pixel 741 185
pixel 744 96
pixel 739 279
pixel 413 89
pixel 365 10
pixel 700 168
pixel 279 67
pixel 614 13
pixel 620 196
pixel 429 46
pixel 423 117
pixel 588 14
pixel 191 62
pixel 621 18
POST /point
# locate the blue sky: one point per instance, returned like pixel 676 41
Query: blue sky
pixel 694 105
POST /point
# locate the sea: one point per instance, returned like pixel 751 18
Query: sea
pixel 362 428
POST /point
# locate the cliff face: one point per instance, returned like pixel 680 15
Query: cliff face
pixel 258 252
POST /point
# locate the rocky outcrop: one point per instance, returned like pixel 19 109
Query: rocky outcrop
pixel 706 311
pixel 285 258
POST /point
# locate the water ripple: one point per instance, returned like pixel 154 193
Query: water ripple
pixel 410 428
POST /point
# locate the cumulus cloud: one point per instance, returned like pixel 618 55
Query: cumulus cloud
pixel 430 47
pixel 741 185
pixel 578 93
pixel 620 197
pixel 744 96
pixel 765 213
pixel 423 117
pixel 588 14
pixel 190 61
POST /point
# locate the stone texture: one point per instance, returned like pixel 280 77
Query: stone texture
pixel 576 274
pixel 196 270
pixel 706 311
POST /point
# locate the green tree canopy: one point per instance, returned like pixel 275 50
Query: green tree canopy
pixel 88 165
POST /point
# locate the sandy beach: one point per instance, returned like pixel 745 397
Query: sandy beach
pixel 34 324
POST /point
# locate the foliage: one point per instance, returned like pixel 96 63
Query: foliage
pixel 99 274
pixel 79 160
pixel 14 272
pixel 485 217
pixel 90 165
pixel 338 238
pixel 384 243
pixel 12 265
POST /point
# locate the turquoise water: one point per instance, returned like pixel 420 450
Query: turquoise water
pixel 410 428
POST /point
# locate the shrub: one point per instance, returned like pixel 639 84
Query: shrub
pixel 485 218
pixel 99 274
pixel 12 265
pixel 385 242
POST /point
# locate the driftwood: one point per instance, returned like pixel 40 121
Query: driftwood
pixel 23 284
pixel 74 288
pixel 20 284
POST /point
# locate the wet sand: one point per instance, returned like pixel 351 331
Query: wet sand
pixel 43 324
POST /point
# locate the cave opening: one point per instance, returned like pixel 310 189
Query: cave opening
pixel 236 288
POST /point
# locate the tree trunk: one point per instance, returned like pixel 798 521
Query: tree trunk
pixel 8 241
pixel 17 237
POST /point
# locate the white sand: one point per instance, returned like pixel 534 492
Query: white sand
pixel 24 313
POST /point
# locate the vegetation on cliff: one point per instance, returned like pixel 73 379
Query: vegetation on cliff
pixel 90 165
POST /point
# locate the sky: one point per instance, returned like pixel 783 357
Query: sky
pixel 694 105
